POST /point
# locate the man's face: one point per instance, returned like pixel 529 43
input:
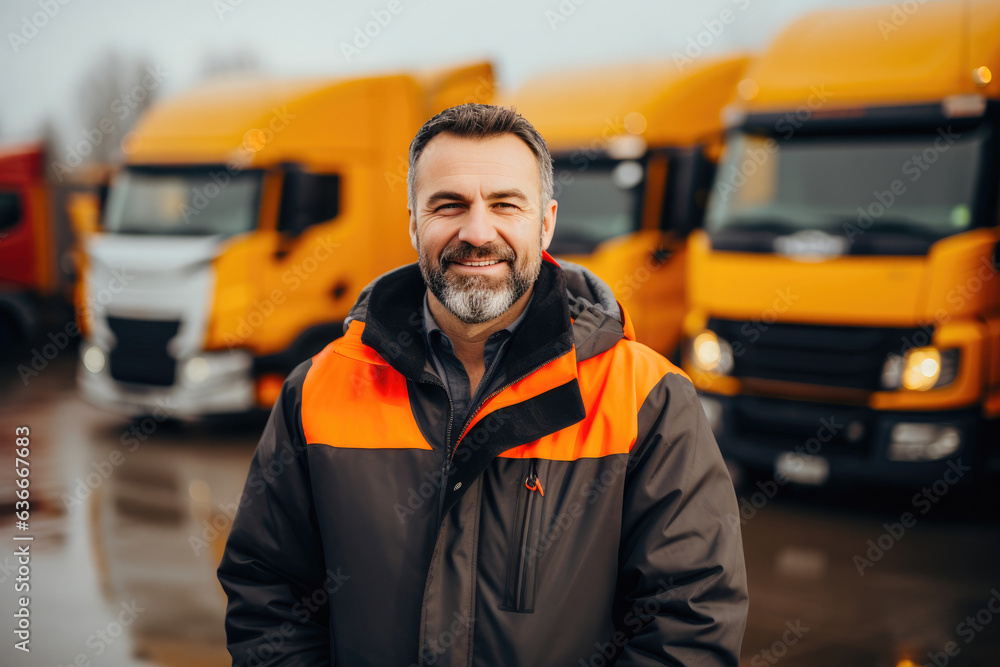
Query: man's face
pixel 479 226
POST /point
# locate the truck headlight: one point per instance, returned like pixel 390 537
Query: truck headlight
pixel 94 359
pixel 920 369
pixel 197 370
pixel 711 354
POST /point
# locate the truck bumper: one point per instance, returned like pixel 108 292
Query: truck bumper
pixel 835 443
pixel 226 386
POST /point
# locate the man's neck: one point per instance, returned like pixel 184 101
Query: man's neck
pixel 470 339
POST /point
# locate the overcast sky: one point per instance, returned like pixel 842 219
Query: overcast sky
pixel 42 69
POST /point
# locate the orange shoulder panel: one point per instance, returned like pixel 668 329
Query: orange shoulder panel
pixel 352 398
pixel 613 385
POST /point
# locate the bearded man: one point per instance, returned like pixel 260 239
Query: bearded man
pixel 487 468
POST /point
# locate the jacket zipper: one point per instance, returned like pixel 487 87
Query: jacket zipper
pixel 522 564
pixel 520 589
pixel 486 375
pixel 446 461
pixel 450 456
pixel 441 494
pixel 483 402
pixel 446 467
pixel 449 451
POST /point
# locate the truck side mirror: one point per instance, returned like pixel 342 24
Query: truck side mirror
pixel 307 199
pixel 689 182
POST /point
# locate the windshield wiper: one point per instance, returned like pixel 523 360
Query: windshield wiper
pixel 752 233
pixel 895 226
pixel 771 224
pixel 890 236
pixel 885 236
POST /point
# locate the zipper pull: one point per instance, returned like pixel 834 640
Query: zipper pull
pixel 533 483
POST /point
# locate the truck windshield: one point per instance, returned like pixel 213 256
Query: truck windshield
pixel 596 202
pixel 196 201
pixel 862 187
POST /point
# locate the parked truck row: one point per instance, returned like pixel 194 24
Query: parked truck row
pixel 812 229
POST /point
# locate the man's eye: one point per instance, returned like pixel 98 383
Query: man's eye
pixel 448 206
pixel 506 204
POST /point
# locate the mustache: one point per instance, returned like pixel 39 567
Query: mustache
pixel 468 252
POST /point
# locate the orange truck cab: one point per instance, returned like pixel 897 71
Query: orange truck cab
pixel 27 276
pixel 844 314
pixel 247 218
pixel 634 148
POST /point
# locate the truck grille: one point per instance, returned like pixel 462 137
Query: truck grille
pixel 140 354
pixel 835 356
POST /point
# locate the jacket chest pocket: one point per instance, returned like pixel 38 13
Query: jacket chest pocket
pixel 523 553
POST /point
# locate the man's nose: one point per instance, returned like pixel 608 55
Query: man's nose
pixel 477 229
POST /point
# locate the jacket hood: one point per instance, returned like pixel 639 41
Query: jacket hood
pixel 596 320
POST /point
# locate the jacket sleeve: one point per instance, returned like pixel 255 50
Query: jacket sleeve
pixel 682 579
pixel 272 569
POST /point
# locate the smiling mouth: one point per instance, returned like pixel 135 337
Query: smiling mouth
pixel 488 262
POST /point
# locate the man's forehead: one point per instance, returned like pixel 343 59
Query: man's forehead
pixel 467 165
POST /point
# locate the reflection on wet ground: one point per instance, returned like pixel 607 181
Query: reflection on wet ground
pixel 129 520
pixel 862 588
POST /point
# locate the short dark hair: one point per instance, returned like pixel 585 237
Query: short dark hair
pixel 480 121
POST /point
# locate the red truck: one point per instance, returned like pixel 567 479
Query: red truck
pixel 27 277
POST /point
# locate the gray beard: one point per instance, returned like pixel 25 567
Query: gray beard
pixel 473 299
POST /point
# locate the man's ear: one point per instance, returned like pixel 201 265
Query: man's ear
pixel 413 230
pixel 549 223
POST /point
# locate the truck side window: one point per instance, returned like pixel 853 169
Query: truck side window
pixel 308 199
pixel 10 210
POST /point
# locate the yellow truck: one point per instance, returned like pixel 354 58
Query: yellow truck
pixel 844 314
pixel 634 148
pixel 247 218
